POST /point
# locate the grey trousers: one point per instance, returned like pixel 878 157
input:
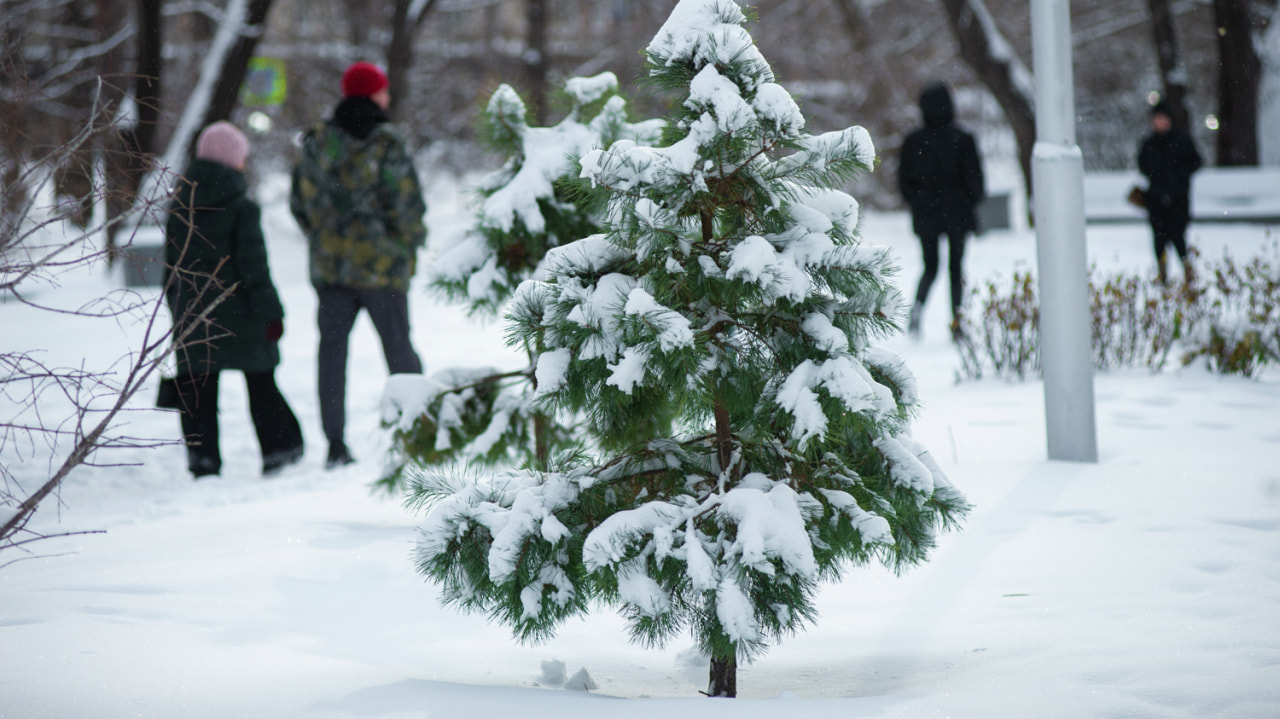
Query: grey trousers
pixel 389 310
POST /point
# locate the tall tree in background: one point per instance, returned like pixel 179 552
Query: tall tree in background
pixel 407 18
pixel 1173 73
pixel 1239 74
pixel 235 64
pixel 985 50
pixel 536 60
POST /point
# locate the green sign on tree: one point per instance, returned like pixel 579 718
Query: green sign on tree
pixel 264 83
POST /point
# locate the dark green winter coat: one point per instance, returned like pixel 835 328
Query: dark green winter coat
pixel 357 197
pixel 214 229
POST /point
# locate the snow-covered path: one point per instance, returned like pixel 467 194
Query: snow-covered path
pixel 1143 586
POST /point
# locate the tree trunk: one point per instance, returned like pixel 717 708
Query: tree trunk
pixel 226 91
pixel 724 677
pixel 884 89
pixel 195 115
pixel 150 65
pixel 1003 74
pixel 1172 71
pixel 535 58
pixel 137 143
pixel 1239 72
pixel 400 53
pixel 74 177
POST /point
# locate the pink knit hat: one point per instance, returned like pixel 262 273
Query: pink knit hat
pixel 223 142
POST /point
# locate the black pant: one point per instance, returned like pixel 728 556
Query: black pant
pixel 389 310
pixel 273 420
pixel 955 266
pixel 1169 227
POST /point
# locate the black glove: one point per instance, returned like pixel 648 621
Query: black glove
pixel 275 330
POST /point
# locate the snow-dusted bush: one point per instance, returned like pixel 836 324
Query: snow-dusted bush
pixel 1228 319
pixel 748 439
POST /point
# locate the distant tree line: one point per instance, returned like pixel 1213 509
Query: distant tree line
pixel 845 60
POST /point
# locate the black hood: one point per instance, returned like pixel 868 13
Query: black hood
pixel 936 105
pixel 359 116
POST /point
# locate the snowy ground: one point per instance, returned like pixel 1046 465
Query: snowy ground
pixel 1143 586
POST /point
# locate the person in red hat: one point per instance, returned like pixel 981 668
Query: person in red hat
pixel 357 197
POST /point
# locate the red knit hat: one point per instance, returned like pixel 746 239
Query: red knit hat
pixel 223 142
pixel 363 79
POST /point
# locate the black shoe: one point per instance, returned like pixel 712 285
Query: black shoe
pixel 274 463
pixel 913 322
pixel 339 456
pixel 201 467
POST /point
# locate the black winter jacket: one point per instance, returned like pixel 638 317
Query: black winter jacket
pixel 226 241
pixel 1168 159
pixel 940 175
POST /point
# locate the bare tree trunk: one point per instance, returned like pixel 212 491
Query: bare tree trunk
pixel 226 90
pixel 1003 74
pixel 1239 73
pixel 724 677
pixel 136 143
pixel 1172 71
pixel 74 179
pixel 537 64
pixel 215 73
pixel 150 65
pixel 884 89
pixel 358 19
pixel 404 28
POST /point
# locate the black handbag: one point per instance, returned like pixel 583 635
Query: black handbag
pixel 167 395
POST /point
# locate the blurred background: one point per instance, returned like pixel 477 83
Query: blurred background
pixel 272 66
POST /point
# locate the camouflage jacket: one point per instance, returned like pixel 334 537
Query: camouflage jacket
pixel 360 204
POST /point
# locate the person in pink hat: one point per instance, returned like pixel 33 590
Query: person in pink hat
pixel 214 241
pixel 357 198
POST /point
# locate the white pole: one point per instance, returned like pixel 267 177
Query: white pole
pixel 1057 173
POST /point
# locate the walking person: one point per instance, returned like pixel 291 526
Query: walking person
pixel 940 177
pixel 1168 158
pixel 357 197
pixel 213 243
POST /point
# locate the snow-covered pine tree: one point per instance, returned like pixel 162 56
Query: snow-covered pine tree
pixel 752 442
pixel 530 205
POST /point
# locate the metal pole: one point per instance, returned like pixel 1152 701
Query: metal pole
pixel 1057 170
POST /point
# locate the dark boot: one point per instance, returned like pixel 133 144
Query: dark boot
pixel 275 462
pixel 913 322
pixel 201 465
pixel 339 456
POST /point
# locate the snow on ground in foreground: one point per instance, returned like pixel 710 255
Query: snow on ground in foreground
pixel 1142 586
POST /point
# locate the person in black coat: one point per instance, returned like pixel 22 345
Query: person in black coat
pixel 1168 158
pixel 940 177
pixel 213 241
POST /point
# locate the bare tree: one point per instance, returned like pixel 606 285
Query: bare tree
pixel 235 63
pixel 407 18
pixel 537 60
pixel 1239 74
pixel 35 250
pixel 991 56
pixel 1173 73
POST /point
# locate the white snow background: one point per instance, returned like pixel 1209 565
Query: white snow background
pixel 1146 585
